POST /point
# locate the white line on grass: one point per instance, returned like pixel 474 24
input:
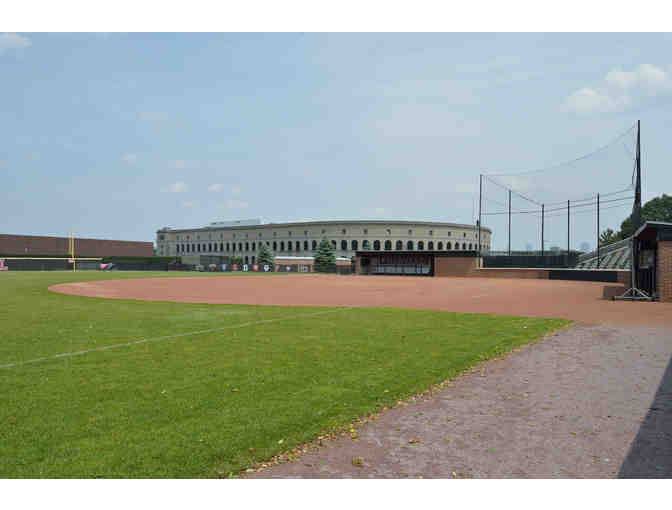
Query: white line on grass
pixel 160 338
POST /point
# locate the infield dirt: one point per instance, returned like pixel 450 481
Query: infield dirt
pixel 580 301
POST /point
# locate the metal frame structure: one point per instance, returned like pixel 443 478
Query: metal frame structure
pixel 634 293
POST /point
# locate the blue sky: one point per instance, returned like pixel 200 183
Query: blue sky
pixel 117 135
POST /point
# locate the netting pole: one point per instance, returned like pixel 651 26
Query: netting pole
pixel 637 209
pixel 480 199
pixel 567 229
pixel 509 222
pixel 598 231
pixel 542 230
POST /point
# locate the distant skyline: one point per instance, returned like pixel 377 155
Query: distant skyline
pixel 117 135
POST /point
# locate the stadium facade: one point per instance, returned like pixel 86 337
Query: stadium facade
pixel 243 237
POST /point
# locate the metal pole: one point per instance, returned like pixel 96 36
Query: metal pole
pixel 568 229
pixel 542 230
pixel 637 213
pixel 598 230
pixel 72 252
pixel 480 201
pixel 509 223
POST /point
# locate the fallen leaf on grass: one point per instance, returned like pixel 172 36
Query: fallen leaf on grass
pixel 358 461
pixel 447 438
pixel 415 441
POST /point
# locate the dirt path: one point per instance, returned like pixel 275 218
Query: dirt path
pixel 568 407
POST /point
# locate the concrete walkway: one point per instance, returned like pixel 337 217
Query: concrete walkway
pixel 586 402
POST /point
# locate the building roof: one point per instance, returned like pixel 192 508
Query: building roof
pixel 329 222
pixel 654 229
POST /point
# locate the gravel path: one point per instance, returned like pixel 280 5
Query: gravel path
pixel 568 407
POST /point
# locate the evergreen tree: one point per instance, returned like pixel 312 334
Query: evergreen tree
pixel 325 259
pixel 264 256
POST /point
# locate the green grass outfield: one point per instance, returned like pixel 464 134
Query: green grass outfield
pixel 189 404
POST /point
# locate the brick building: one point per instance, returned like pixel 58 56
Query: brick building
pixel 654 259
pixel 20 245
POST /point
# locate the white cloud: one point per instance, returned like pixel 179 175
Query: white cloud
pixel 621 89
pixel 130 159
pixel 235 190
pixel 236 204
pixel 9 41
pixel 179 163
pixel 177 187
pixel 216 188
pixel 646 75
pixel 588 100
pixel 188 204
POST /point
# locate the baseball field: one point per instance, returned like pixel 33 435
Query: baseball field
pixel 109 387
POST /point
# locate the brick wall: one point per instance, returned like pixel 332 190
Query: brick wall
pixel 623 277
pixel 60 246
pixel 455 266
pixel 665 270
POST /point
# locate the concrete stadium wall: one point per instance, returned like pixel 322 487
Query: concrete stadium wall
pixel 245 240
pixel 60 246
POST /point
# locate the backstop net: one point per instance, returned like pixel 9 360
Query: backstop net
pixel 560 208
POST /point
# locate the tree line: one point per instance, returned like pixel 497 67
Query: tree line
pixel 656 209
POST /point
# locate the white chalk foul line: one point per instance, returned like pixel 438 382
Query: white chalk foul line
pixel 168 337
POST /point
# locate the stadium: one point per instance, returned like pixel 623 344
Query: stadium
pixel 242 237
pixel 146 373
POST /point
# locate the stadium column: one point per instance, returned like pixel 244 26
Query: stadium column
pixel 567 229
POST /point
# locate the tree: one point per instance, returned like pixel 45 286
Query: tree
pixel 656 209
pixel 237 259
pixel 608 236
pixel 264 256
pixel 325 260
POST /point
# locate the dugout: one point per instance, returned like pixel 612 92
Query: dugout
pixel 416 263
pixel 652 260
